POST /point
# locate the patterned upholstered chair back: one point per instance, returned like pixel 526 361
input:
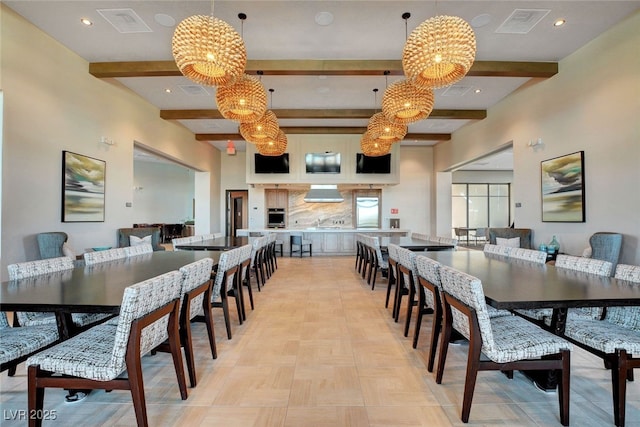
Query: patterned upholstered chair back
pixel 227 260
pixel 96 257
pixel 50 244
pixel 23 270
pixel 407 258
pixel 382 262
pixel 245 255
pixel 4 322
pixel 207 236
pixel 448 241
pixel 145 248
pixel 629 317
pixel 586 265
pixel 392 248
pixel 468 290
pixel 606 247
pixel 497 249
pixel 138 300
pixel 430 270
pixel 528 255
pixel 194 275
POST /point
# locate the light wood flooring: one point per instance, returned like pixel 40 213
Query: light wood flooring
pixel 320 349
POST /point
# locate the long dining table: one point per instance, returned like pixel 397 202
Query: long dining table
pixel 218 244
pixel 414 244
pixel 511 284
pixel 96 288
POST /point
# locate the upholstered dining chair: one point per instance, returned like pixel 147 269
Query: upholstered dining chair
pixel 97 257
pixel 497 249
pixel 429 279
pixel 20 342
pixel 377 262
pixel 244 266
pixel 142 249
pixel 301 243
pixel 33 269
pixel 392 275
pixel 50 244
pixel 606 246
pixel 507 342
pixel 195 298
pixel 95 359
pixel 407 278
pixel 615 339
pixel 155 234
pixel 224 280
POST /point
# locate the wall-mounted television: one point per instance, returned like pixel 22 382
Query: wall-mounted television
pixel 322 162
pixel 376 164
pixel 272 164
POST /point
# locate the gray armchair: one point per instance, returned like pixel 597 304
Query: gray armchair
pixel 509 233
pixel 606 246
pixel 125 233
pixel 50 244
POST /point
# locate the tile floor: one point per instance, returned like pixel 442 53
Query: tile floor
pixel 319 350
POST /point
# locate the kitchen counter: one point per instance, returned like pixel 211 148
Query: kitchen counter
pixel 327 240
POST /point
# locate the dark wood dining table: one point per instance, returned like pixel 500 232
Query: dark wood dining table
pixel 414 244
pixel 218 244
pixel 510 284
pixel 91 289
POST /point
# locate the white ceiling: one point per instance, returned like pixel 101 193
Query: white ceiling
pixel 361 30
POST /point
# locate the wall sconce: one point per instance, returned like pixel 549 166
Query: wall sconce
pixel 107 141
pixel 534 142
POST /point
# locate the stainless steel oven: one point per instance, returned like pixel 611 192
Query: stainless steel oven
pixel 276 218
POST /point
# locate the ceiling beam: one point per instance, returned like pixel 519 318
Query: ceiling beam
pixel 311 67
pixel 311 130
pixel 329 113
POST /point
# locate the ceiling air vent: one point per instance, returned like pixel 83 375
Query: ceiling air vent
pixel 521 21
pixel 194 90
pixel 125 20
pixel 456 90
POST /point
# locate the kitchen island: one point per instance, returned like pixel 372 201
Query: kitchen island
pixel 326 241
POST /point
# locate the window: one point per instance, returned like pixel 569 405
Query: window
pixel 480 205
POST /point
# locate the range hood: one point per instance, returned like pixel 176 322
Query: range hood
pixel 323 194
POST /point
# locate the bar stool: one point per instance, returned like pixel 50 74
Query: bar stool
pixel 297 240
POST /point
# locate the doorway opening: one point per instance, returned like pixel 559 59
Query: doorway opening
pixel 237 209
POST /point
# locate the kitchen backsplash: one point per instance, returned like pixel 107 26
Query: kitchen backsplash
pixel 301 214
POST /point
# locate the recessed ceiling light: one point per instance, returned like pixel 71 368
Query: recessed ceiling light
pixel 86 21
pixel 167 90
pixel 559 22
pixel 324 18
pixel 481 20
pixel 165 20
pixel 478 90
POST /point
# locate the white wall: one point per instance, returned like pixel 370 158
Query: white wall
pixel 163 193
pixel 57 105
pixel 592 104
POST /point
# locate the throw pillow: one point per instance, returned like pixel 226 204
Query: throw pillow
pixel 67 251
pixel 136 241
pixel 512 243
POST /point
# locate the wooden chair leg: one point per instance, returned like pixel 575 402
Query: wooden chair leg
pixel 421 306
pixel 12 370
pixel 35 396
pixel 208 319
pixel 563 387
pixel 136 386
pixel 390 282
pixel 227 322
pixel 247 283
pixel 473 364
pixel 185 339
pixel 176 354
pixel 619 386
pixel 410 304
pixel 444 347
pixel 435 332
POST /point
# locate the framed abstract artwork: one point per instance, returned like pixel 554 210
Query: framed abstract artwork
pixel 83 180
pixel 563 188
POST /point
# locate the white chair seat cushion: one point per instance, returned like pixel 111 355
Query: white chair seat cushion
pixel 494 312
pixel 536 313
pixel 20 341
pixel 602 335
pixel 518 339
pixel 84 319
pixel 87 355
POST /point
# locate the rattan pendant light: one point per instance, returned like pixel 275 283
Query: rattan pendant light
pixel 209 51
pixel 439 52
pixel 374 147
pixel 380 127
pixel 274 147
pixel 405 103
pixel 244 101
pixel 264 129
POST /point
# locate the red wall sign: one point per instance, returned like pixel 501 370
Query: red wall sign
pixel 394 210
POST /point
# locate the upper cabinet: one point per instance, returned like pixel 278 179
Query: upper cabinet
pixel 276 199
pixel 302 149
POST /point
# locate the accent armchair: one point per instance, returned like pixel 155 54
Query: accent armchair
pixel 509 233
pixel 50 244
pixel 125 233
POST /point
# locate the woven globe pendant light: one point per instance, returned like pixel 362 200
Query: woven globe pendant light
pixel 405 103
pixel 274 147
pixel 208 51
pixel 439 52
pixel 264 129
pixel 244 101
pixel 374 147
pixel 380 127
